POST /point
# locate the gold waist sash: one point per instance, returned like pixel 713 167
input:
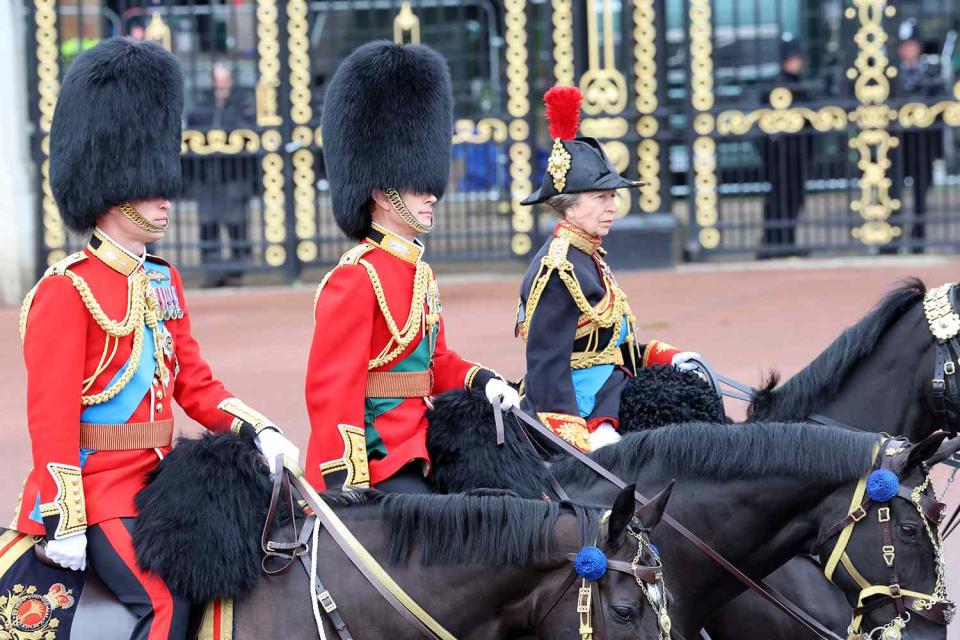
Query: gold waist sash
pixel 126 437
pixel 399 384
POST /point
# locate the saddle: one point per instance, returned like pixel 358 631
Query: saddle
pixel 86 610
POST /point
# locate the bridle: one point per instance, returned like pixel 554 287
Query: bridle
pixel 764 590
pixel 877 489
pixel 278 556
pixel 590 599
pixel 940 308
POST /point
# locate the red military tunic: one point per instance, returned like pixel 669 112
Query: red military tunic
pixel 68 354
pixel 377 311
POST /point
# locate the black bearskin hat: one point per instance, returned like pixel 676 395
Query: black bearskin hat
pixel 115 135
pixel 387 123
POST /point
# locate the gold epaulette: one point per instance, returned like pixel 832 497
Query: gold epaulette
pixel 351 257
pixel 554 260
pixel 58 268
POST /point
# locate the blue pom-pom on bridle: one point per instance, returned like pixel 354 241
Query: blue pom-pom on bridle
pixel 882 485
pixel 590 563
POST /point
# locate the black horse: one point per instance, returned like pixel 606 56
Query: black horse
pixel 758 493
pixel 875 376
pixel 483 565
pixel 486 567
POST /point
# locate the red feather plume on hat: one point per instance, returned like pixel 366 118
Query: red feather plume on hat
pixel 563 111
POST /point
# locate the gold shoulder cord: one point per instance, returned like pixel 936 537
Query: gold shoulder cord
pixel 612 317
pixel 400 338
pixel 142 310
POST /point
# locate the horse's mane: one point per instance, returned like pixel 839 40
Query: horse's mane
pixel 729 452
pixel 820 381
pixel 494 530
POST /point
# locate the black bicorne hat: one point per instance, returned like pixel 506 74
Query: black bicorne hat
pixel 387 123
pixel 578 164
pixel 115 135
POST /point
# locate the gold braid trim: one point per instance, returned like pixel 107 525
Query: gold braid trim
pixel 616 308
pixel 424 285
pixel 243 414
pixel 413 327
pixel 142 310
pixel 69 502
pixel 57 269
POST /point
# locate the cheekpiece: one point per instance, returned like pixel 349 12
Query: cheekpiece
pixel 590 563
pixel 882 485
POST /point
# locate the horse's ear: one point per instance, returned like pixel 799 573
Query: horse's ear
pixel 621 515
pixel 946 450
pixel 651 513
pixel 922 451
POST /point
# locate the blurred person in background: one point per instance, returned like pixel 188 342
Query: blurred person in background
pixel 785 162
pixel 223 185
pixel 916 81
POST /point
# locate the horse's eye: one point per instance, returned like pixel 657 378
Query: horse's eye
pixel 908 531
pixel 622 614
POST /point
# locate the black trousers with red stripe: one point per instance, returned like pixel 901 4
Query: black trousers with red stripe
pixel 161 614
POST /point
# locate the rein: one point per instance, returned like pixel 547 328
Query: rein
pixel 768 593
pixel 376 575
pixel 299 549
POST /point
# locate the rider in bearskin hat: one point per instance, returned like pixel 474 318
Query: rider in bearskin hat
pixel 578 327
pixel 379 349
pixel 107 339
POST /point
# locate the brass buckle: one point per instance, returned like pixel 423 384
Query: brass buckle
pixel 859 513
pixel 326 601
pixel 889 553
pixel 883 513
pixel 895 591
pixel 583 600
pixel 949 368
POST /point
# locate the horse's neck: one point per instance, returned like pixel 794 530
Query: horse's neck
pixel 476 602
pixel 880 393
pixel 757 524
pixel 881 397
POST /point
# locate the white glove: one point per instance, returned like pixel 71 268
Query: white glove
pixel 682 360
pixel 70 552
pixel 499 391
pixel 272 443
pixel 603 435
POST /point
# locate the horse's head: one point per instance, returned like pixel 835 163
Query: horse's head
pixel 886 553
pixel 616 587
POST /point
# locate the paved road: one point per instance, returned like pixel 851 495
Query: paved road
pixel 746 319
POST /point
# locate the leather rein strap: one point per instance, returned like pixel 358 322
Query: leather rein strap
pixel 358 555
pixel 768 593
